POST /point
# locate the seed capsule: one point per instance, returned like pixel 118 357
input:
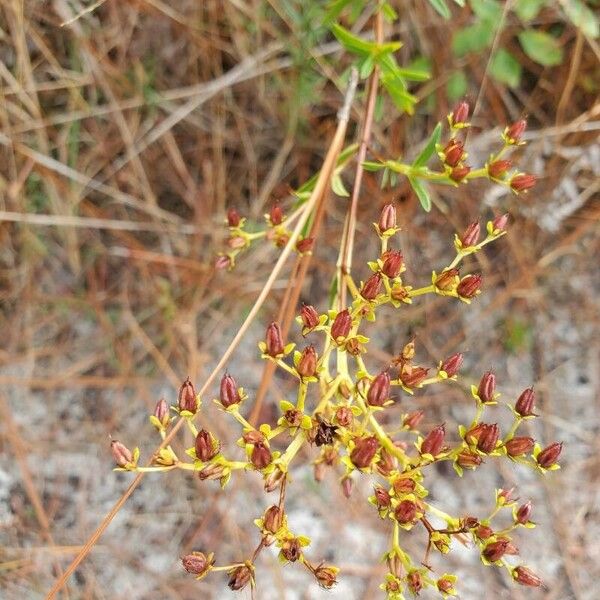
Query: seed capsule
pixel 453 153
pixel 522 182
pixel 515 131
pixel 291 549
pixel 392 263
pixel 326 576
pixel 387 219
pixel 488 439
pixel 487 387
pixel 434 441
pixel 364 451
pixel 204 446
pixel 342 324
pixel 187 397
pixel 500 222
pixel 273 340
pixel 471 235
pixel 233 217
pixel 496 550
pixel 121 454
pixel 549 455
pixel 469 286
pixel 276 215
pixel 382 497
pixel 307 365
pixel 229 394
pixel 525 402
pixel 525 576
pixel 460 114
pixel 459 173
pixel 452 364
pixel 413 419
pixel 498 168
pixel 519 446
pixel 305 245
pixel 161 412
pixel 447 280
pixel 309 316
pixel 261 456
pixel 196 563
pixel 406 512
pixel 239 577
pixel 524 513
pixel 371 287
pixel 379 390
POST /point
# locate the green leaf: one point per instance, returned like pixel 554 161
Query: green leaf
pixel 541 47
pixel 440 6
pixel 582 16
pixel 487 9
pixel 457 86
pixel 389 14
pixel 415 74
pixel 352 42
pixel 422 193
pixel 528 9
pixel 505 68
pixel 337 185
pixel 335 10
pixel 373 166
pixel 474 38
pixel 429 149
pixel 366 66
pixel 403 100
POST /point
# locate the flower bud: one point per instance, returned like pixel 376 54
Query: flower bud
pixel 453 152
pixel 460 114
pixel 371 287
pixel 239 577
pixel 412 420
pixel 549 455
pixel 452 364
pixel 342 324
pixel 487 387
pixel 276 215
pixel 364 451
pixel 459 173
pixel 387 219
pixel 526 576
pixel 413 376
pixel 415 582
pixel 204 446
pixel 434 441
pixel 305 245
pixel 519 446
pixel 468 460
pixel 229 394
pixel 196 563
pixel 344 416
pixel 406 512
pixel 500 222
pixel 525 402
pixel 326 576
pixel 222 262
pixel 498 168
pixel 187 397
pixel 233 217
pixel 274 341
pixel 379 390
pixel 522 182
pixel 524 513
pixel 291 549
pixel 447 280
pixel 495 550
pixel 488 439
pixel 471 235
pixel 309 316
pixel 121 454
pixel 261 456
pixel 307 365
pixel 516 130
pixel 382 497
pixel 161 412
pixel 347 485
pixel 392 263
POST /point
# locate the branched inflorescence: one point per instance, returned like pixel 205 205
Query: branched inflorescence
pixel 339 412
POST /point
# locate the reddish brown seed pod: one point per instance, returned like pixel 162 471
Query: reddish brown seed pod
pixel 525 403
pixel 498 168
pixel 364 451
pixel 342 324
pixel 392 263
pixel 519 446
pixel 187 397
pixel 469 286
pixel 460 114
pixel 233 217
pixel 274 342
pixel 387 219
pixel 515 131
pixel 371 288
pixel 309 316
pixel 487 387
pixel 434 441
pixel 379 390
pixel 549 455
pixel 452 364
pixel 471 235
pixel 522 182
pixel 228 391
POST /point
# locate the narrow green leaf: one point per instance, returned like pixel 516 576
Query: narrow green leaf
pixel 487 9
pixel 373 166
pixel 352 42
pixel 505 68
pixel 335 10
pixel 429 149
pixel 337 185
pixel 541 47
pixel 365 66
pixel 422 193
pixel 441 8
pixel 582 17
pixel 389 14
pixel 415 74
